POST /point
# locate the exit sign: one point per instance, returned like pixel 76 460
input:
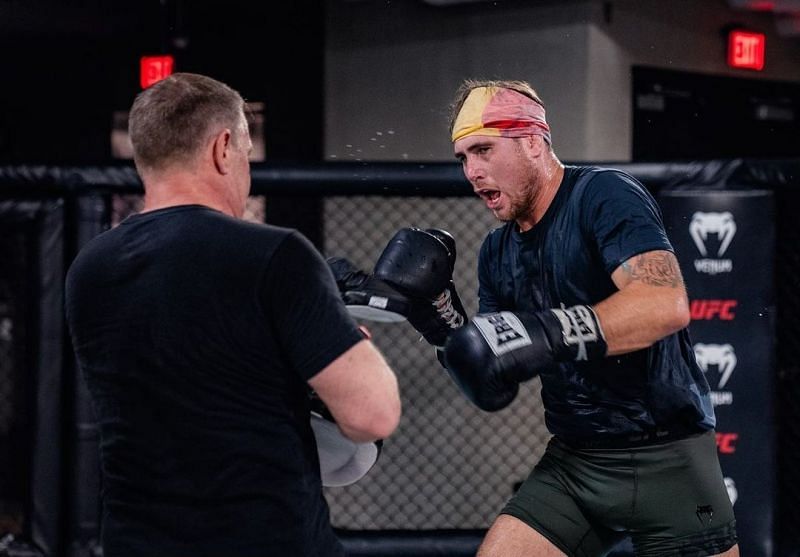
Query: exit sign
pixel 746 50
pixel 153 69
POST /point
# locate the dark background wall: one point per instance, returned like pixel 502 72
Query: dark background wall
pixel 392 68
pixel 66 65
pixel 371 80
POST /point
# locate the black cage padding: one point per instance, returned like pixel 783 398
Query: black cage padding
pixel 42 222
pixel 425 179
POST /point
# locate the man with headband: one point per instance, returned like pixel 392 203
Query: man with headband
pixel 581 287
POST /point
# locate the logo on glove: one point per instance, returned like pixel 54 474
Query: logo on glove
pixel 578 326
pixel 503 332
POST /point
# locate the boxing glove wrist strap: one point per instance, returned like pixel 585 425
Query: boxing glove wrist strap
pixel 581 336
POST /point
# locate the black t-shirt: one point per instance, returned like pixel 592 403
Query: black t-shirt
pixel 196 333
pixel 598 219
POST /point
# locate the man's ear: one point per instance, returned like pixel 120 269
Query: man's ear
pixel 221 151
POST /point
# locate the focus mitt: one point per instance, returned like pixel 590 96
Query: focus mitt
pixel 341 461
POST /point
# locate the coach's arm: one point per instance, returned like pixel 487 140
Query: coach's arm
pixel 361 392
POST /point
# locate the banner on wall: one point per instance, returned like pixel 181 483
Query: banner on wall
pixel 724 241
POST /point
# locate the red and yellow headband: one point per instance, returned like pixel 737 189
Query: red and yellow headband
pixel 500 112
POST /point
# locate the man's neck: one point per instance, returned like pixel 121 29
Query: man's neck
pixel 549 182
pixel 170 190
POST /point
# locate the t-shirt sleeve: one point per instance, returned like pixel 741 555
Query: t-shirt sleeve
pixel 487 297
pixel 623 218
pixel 303 303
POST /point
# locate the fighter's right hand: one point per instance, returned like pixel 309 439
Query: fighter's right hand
pixel 419 263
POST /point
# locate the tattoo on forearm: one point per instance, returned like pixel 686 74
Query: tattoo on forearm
pixel 657 269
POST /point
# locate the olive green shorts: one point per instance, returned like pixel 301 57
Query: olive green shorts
pixel 670 498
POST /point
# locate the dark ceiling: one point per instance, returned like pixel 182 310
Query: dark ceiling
pixel 67 65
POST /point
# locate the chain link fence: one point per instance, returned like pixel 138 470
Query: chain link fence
pixel 449 465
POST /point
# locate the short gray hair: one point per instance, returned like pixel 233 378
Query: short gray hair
pixel 170 120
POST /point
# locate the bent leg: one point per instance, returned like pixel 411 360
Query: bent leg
pixel 510 537
pixel 545 516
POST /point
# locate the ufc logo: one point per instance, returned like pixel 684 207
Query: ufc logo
pixel 726 442
pixel 709 309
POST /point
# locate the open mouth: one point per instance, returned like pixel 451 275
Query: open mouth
pixel 490 197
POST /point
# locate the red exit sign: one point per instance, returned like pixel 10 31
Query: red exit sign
pixel 153 69
pixel 746 50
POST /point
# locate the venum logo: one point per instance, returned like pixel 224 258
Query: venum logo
pixel 723 357
pixel 723 226
pixel 705 514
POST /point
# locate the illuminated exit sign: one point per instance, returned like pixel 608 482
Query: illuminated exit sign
pixel 746 50
pixel 153 69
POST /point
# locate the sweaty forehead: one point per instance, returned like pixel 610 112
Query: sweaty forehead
pixel 472 142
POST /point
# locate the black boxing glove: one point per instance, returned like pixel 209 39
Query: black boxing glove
pixel 419 264
pixel 366 296
pixel 341 461
pixel 489 357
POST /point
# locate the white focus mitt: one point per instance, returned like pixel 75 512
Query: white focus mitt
pixel 342 461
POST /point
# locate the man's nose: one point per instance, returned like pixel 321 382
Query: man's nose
pixel 473 171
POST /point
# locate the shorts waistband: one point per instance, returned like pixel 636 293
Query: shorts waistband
pixel 642 439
